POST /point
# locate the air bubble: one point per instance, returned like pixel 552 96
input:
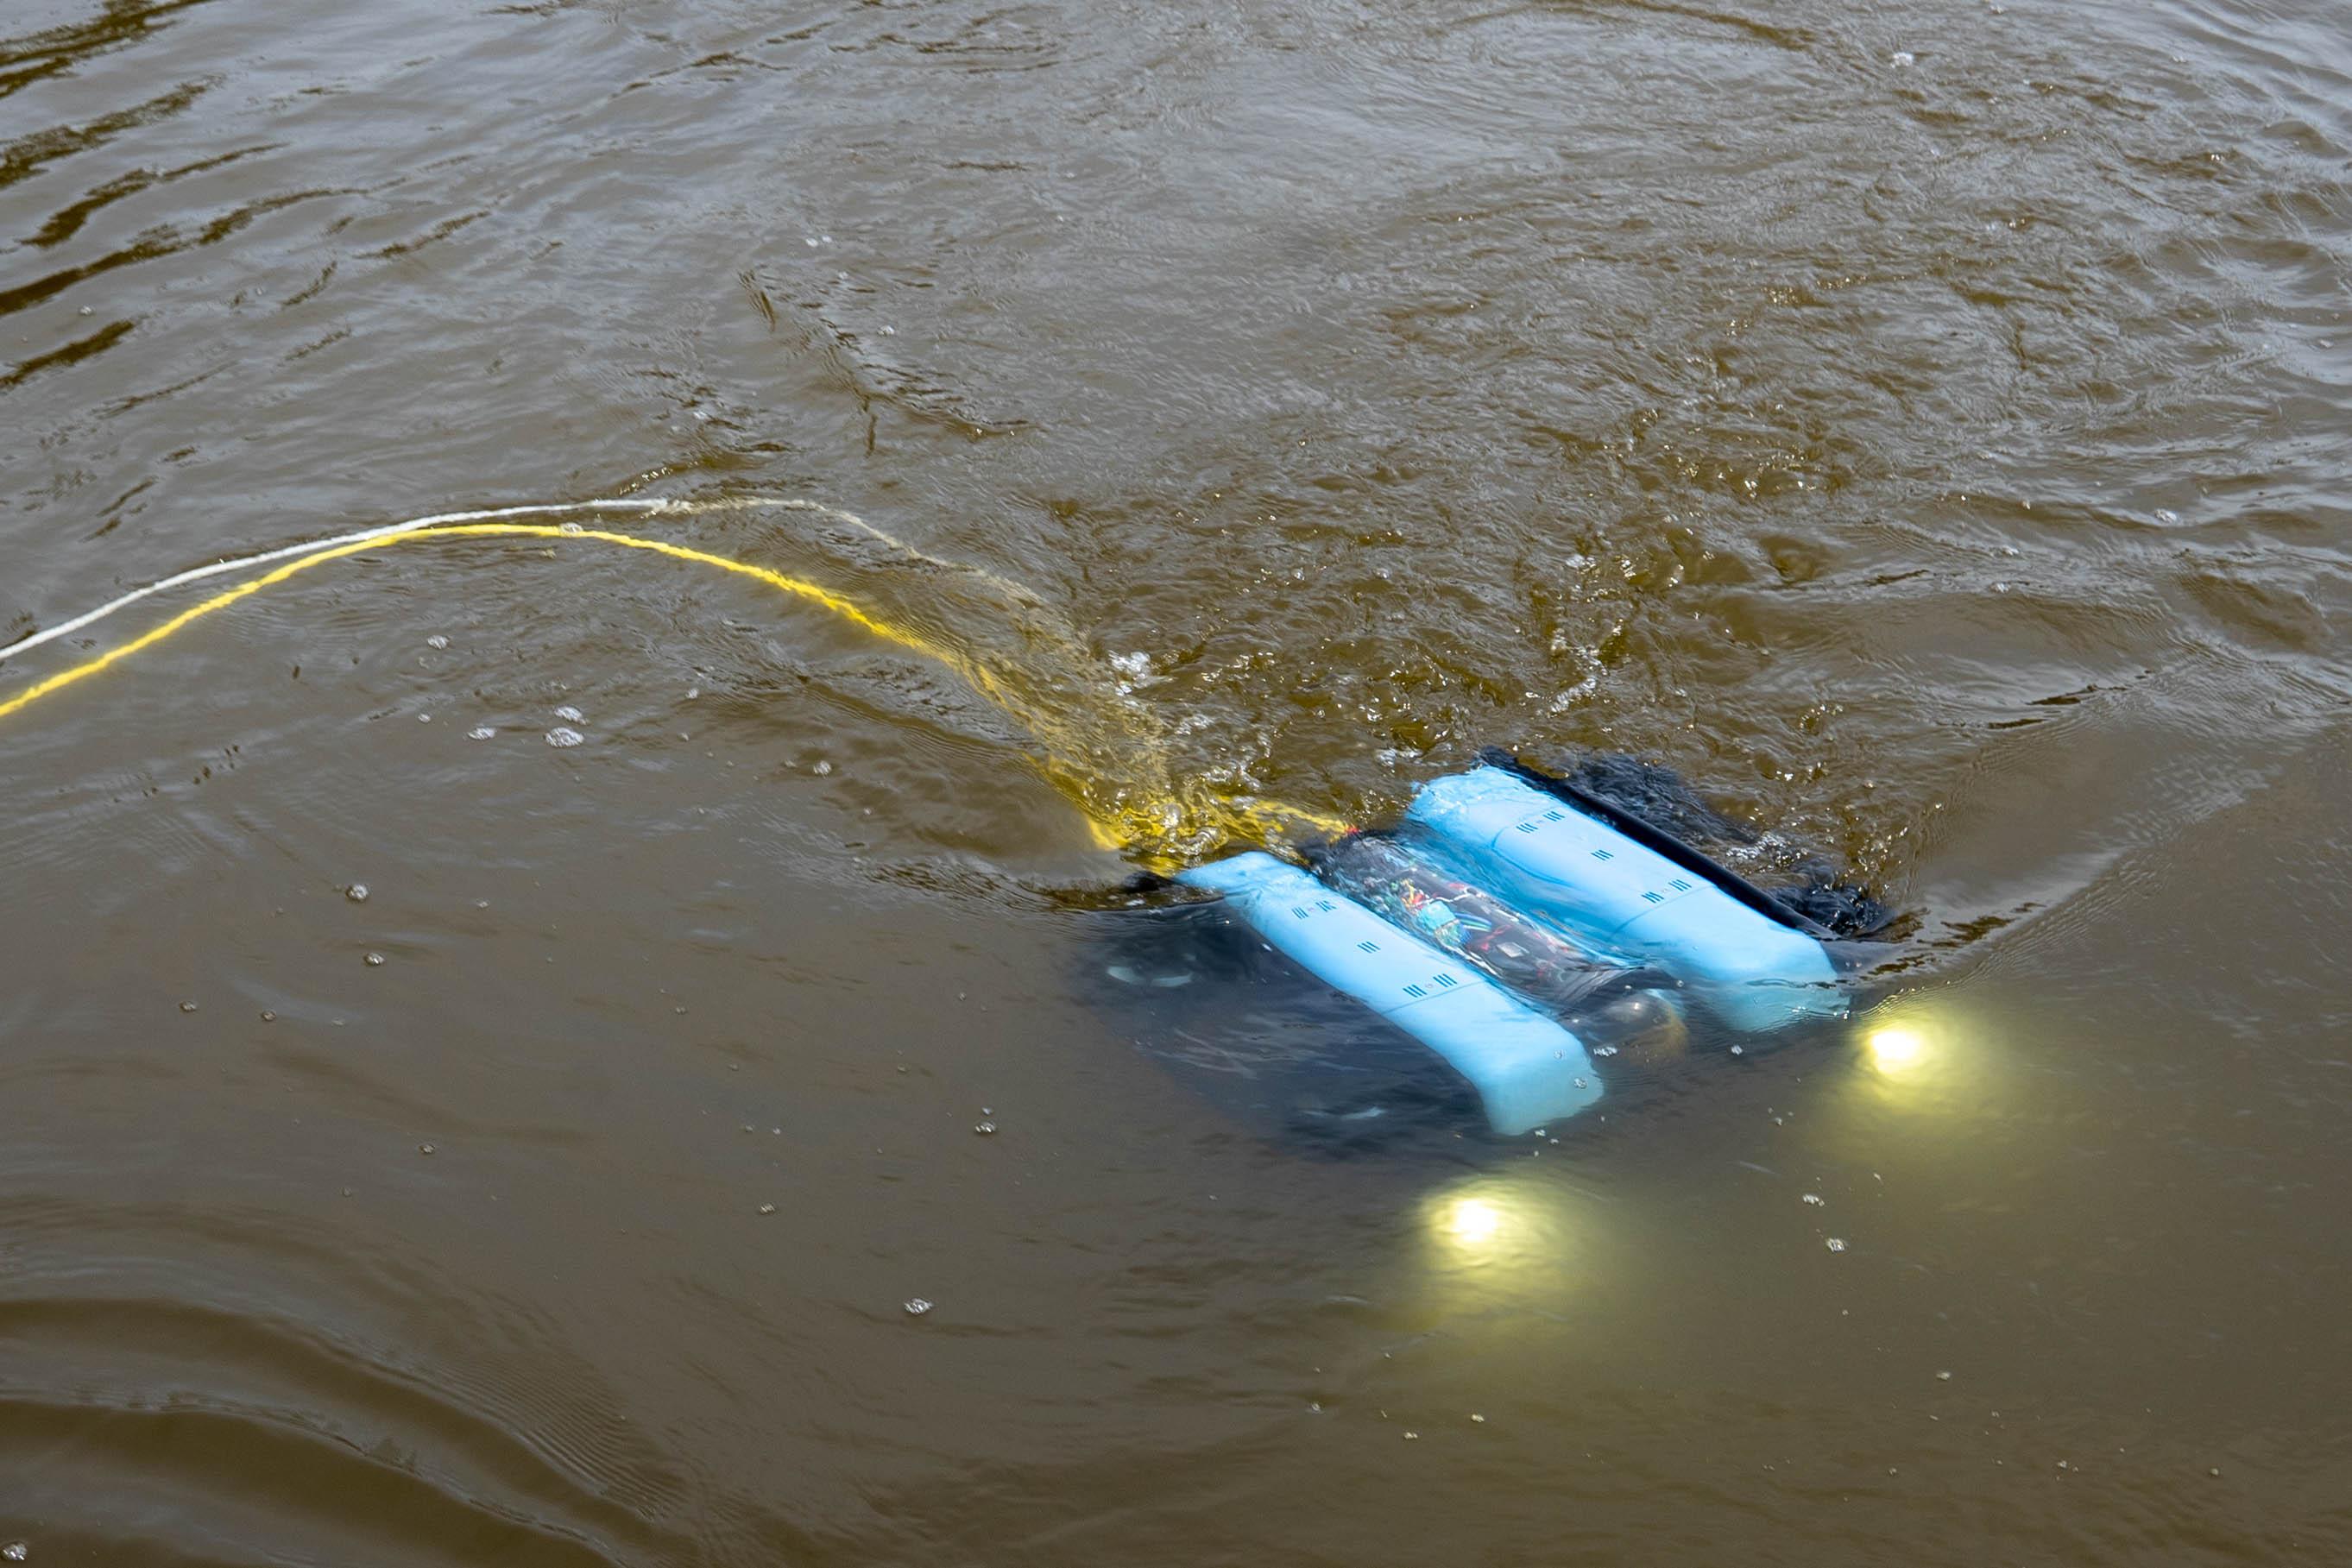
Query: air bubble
pixel 480 732
pixel 437 642
pixel 570 715
pixel 560 736
pixel 917 1307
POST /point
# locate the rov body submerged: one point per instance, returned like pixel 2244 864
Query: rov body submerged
pixel 1520 927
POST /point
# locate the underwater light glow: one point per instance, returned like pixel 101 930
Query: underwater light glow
pixel 1520 1236
pixel 1896 1050
pixel 1472 1221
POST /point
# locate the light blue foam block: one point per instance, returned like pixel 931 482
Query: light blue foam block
pixel 1558 864
pixel 1527 1069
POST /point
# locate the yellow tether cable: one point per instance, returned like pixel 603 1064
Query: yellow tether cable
pixel 1170 821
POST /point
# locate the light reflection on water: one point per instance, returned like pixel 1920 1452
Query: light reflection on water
pixel 1898 1051
pixel 1520 1240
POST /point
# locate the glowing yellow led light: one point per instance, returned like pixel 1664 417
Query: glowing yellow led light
pixel 1472 1221
pixel 1896 1049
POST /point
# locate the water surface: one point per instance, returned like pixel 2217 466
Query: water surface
pixel 1922 424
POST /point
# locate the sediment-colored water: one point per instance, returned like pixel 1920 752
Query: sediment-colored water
pixel 1922 425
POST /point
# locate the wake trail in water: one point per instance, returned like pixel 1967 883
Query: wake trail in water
pixel 1106 752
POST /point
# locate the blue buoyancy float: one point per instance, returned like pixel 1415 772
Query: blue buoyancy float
pixel 1527 1068
pixel 1566 867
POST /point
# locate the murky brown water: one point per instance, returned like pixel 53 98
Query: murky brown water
pixel 1922 423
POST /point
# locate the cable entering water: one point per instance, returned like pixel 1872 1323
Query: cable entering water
pixel 1107 754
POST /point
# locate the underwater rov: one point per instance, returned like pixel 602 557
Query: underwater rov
pixel 1525 931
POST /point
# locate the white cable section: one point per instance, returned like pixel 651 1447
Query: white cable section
pixel 644 505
